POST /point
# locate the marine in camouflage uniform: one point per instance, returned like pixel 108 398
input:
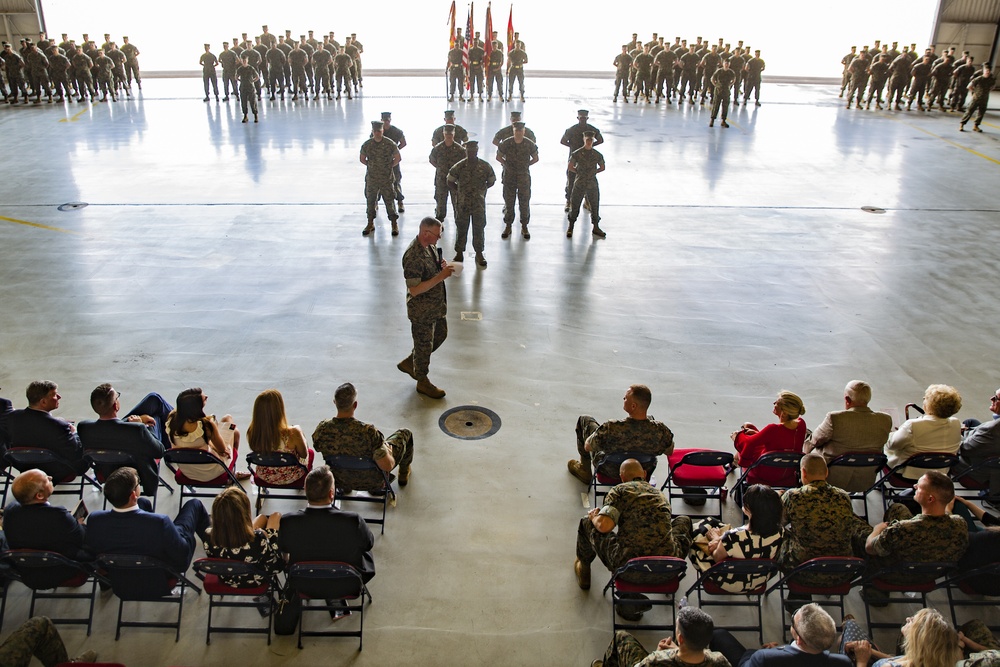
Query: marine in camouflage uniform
pixel 689 74
pixel 131 63
pixel 645 528
pixel 643 66
pixel 276 71
pixel 879 71
pixel 922 539
pixel 297 61
pixel 821 522
pixel 105 76
pixel 119 69
pixel 342 64
pixel 476 64
pixel 941 80
pixel 751 74
pixel 39 66
pixel 586 163
pixel 59 67
pixel 920 75
pixel 427 310
pixel 230 63
pixel 348 436
pixel 573 138
pixel 494 72
pixel 508 131
pixel 845 79
pixel 249 82
pixel 899 76
pixel 981 85
pixel 722 80
pixel 664 63
pixel 516 60
pixel 455 74
pixel 14 66
pixel 81 71
pixel 37 637
pixel 626 651
pixel 380 155
pixel 443 157
pixel 517 154
pixel 322 60
pixel 470 179
pixel 208 62
pixel 352 50
pixel 390 131
pixel 623 65
pixel 960 78
pixel 709 64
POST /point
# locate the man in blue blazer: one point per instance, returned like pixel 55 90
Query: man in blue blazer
pixel 813 633
pixel 132 528
pixel 36 427
pixel 33 523
pixel 140 433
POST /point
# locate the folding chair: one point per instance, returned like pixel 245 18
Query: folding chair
pixel 106 461
pixel 45 572
pixel 265 488
pixel 377 477
pixel 874 460
pixel 969 487
pixel 601 483
pixel 698 469
pixel 775 460
pixel 59 469
pixel 211 571
pixel 968 582
pixel 176 456
pixel 923 579
pixel 331 582
pixel 892 483
pixel 757 571
pixel 848 570
pixel 138 578
pixel 647 575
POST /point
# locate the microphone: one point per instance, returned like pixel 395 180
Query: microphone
pixel 440 256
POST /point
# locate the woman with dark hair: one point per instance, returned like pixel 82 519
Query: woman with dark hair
pixel 760 537
pixel 236 537
pixel 269 432
pixel 189 428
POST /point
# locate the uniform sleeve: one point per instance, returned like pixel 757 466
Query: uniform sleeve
pixel 885 542
pixel 377 441
pixel 610 508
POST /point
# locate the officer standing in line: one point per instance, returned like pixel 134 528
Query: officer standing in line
pixel 469 179
pixel 455 74
pixel 516 60
pixel 443 157
pixel 623 66
pixel 508 131
pixel 461 135
pixel 380 156
pixel 586 163
pixel 517 154
pixel 722 81
pixel 249 81
pixel 390 131
pixel 230 63
pixel 494 75
pixel 476 56
pixel 573 138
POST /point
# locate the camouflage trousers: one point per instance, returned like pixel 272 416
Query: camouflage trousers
pixel 476 82
pixel 428 335
pixel 441 195
pixel 977 108
pixel 38 637
pixel 592 192
pixel 624 651
pixel 474 213
pixel 897 88
pixel 606 546
pixel 621 83
pixel 516 186
pixel 400 445
pixel 84 83
pixel 495 77
pixel 585 427
pixel 752 86
pixel 387 191
pixel 721 102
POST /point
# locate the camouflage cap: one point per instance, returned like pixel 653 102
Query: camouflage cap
pixel 377 125
pixel 386 114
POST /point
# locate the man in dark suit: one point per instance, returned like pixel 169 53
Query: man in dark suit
pixel 36 427
pixel 322 532
pixel 6 407
pixel 131 528
pixel 33 523
pixel 133 435
pixel 813 633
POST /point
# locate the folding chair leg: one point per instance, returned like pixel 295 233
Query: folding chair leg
pixel 163 483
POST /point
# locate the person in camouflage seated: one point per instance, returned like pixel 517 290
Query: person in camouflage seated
pixel 636 433
pixel 346 436
pixel 820 522
pixel 689 646
pixel 933 536
pixel 645 526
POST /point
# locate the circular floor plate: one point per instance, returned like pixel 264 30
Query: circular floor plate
pixel 73 206
pixel 469 422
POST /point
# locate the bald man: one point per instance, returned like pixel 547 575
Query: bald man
pixel 33 523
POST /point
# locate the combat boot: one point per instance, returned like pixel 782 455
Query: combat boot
pixel 582 571
pixel 569 230
pixel 395 228
pixel 481 259
pixel 369 229
pixel 580 470
pixel 506 231
pixel 244 118
pixel 427 388
pixel 524 232
pixel 598 232
pixel 406 366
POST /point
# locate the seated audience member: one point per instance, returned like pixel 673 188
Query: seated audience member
pixel 787 435
pixel 932 536
pixel 346 436
pixel 928 641
pixel 856 429
pixel 36 427
pixel 132 528
pixel 689 646
pixel 6 407
pixel 189 428
pixel 236 537
pixel 322 532
pixel 269 433
pixel 34 523
pixel 813 633
pixel 137 433
pixel 979 646
pixel 645 526
pixel 819 521
pixel 934 431
pixel 981 442
pixel 636 433
pixel 760 537
pixel 38 637
pixel 984 545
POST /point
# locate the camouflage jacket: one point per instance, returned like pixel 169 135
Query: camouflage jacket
pixel 642 515
pixel 381 155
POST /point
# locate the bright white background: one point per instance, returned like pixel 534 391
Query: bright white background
pixel 796 38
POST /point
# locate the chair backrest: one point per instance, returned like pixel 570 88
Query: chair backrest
pixel 917 572
pixel 184 456
pixel 26 458
pixel 651 569
pixel 972 581
pixel 749 569
pixel 706 458
pixel 614 462
pixel 363 465
pixel 778 460
pixel 325 579
pixel 40 570
pixel 274 460
pixel 138 577
pixel 859 460
pixel 846 569
pixel 225 568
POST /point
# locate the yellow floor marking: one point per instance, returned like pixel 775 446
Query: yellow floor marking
pixel 964 148
pixel 73 118
pixel 38 224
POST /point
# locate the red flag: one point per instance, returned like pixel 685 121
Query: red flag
pixel 488 42
pixel 510 30
pixel 465 47
pixel 451 30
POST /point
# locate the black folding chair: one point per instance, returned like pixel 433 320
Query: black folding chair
pixel 650 576
pixel 842 573
pixel 970 582
pixel 106 461
pixel 773 460
pixel 602 482
pixel 703 470
pixel 212 571
pixel 336 585
pixel 892 483
pixel 265 489
pixel 756 571
pixel 910 577
pixel 192 488
pixel 65 478
pixel 45 572
pixel 874 460
pixel 377 478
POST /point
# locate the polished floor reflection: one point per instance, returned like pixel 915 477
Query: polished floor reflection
pixel 738 262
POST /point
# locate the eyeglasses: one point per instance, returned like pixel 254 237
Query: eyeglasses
pixel 994 398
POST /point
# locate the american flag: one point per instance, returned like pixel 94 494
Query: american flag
pixel 465 48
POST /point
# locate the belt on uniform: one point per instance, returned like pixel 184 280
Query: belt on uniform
pixel 474 62
pixel 515 66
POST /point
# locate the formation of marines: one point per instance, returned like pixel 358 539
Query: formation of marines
pixel 491 70
pixel 303 66
pixel 68 71
pixel 687 71
pixel 930 78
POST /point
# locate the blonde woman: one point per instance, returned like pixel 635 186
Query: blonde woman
pixel 934 431
pixel 928 641
pixel 270 433
pixel 787 435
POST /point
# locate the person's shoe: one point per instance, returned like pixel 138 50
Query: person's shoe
pixel 848 105
pixel 614 99
pixel 406 366
pixel 725 124
pixel 369 229
pixel 598 232
pixel 505 234
pixel 868 106
pixel 459 257
pixel 597 663
pixel 569 231
pixel 694 502
pixel 961 127
pixel 711 123
pixel 756 104
pixel 626 99
pixel 226 98
pixel 524 232
pixel 395 228
pixel 582 571
pixel 404 476
pixel 244 119
pixel 204 100
pixel 632 612
pixel 242 475
pixel 427 388
pixel 86 656
pixel 481 259
pixel 975 128
pixel 579 471
pixel 401 208
pixel 255 118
